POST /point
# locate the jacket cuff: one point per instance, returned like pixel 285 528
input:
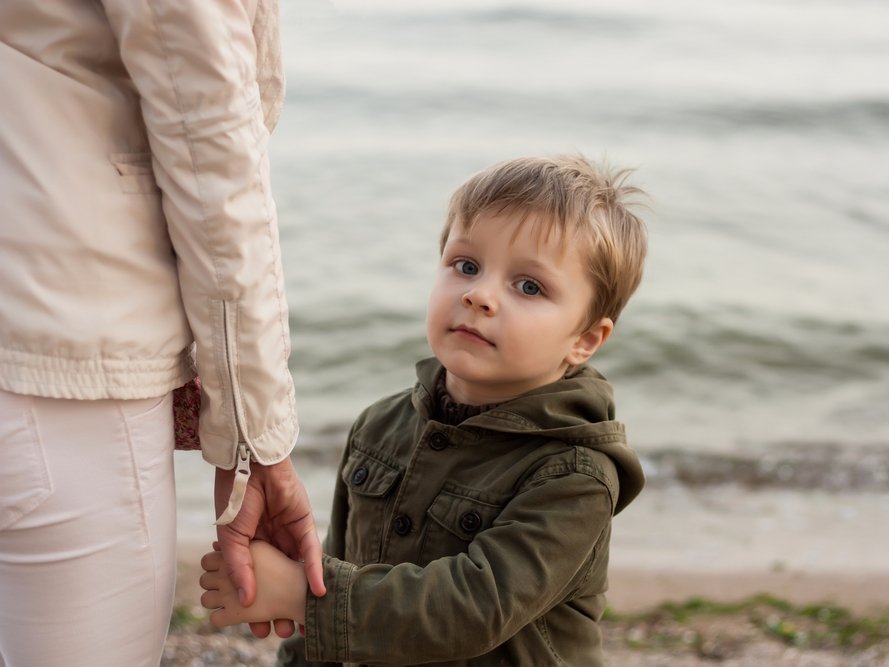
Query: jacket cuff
pixel 327 618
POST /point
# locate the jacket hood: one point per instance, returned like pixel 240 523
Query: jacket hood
pixel 578 410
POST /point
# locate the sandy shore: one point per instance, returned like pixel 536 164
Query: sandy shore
pixel 636 590
pixel 637 633
pixel 642 636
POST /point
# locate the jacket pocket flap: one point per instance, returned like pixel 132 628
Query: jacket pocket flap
pixel 367 476
pixel 132 164
pixel 462 516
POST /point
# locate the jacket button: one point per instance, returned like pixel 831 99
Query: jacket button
pixel 470 522
pixel 438 441
pixel 359 476
pixel 402 524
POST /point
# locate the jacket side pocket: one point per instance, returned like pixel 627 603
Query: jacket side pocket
pixel 24 476
pixel 135 172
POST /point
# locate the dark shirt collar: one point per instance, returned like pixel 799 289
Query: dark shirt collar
pixel 447 410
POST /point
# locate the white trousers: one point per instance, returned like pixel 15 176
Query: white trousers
pixel 87 531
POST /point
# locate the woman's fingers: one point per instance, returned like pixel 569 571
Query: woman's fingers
pixel 212 561
pixel 211 600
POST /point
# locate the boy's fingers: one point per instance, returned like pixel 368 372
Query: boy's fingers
pixel 218 619
pixel 283 628
pixel 261 630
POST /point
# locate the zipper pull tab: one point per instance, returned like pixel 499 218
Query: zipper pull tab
pixel 239 488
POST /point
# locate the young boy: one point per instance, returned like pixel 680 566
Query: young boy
pixel 472 513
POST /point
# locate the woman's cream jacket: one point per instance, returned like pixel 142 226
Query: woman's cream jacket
pixel 135 210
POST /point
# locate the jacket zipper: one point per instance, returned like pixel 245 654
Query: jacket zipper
pixel 244 455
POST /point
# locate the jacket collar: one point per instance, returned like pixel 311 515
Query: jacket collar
pixel 578 410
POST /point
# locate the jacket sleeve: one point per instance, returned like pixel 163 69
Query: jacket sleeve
pixel 534 556
pixel 194 65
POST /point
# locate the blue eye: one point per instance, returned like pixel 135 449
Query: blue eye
pixel 466 267
pixel 528 287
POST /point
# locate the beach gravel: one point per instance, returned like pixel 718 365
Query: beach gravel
pixel 728 640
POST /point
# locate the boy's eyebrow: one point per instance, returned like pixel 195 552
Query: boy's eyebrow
pixel 537 264
pixel 458 238
pixel 461 243
pixel 531 262
pixel 537 267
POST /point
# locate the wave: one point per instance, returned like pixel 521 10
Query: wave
pixel 738 344
pixel 825 466
pixel 854 117
pixel 850 117
pixel 588 20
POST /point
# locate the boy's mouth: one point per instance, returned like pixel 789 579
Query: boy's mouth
pixel 471 334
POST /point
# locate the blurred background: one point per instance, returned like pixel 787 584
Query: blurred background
pixel 760 130
pixel 751 368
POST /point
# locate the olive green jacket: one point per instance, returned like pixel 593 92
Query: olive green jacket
pixel 479 544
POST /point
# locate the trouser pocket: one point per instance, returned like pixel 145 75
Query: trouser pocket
pixel 24 476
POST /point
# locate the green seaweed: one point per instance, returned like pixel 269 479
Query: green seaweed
pixel 184 617
pixel 691 624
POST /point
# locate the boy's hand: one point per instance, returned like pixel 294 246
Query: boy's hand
pixel 280 588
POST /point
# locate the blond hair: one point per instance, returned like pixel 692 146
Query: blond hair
pixel 578 200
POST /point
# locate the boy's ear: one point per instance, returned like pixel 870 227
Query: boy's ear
pixel 589 341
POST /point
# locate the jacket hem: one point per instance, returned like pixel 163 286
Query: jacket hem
pixel 91 379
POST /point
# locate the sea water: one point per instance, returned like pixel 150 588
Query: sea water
pixel 760 130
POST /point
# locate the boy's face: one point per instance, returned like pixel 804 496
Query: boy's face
pixel 507 310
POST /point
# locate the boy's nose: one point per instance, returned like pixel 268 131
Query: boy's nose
pixel 480 299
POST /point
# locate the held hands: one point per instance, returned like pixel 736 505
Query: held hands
pixel 280 589
pixel 276 509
